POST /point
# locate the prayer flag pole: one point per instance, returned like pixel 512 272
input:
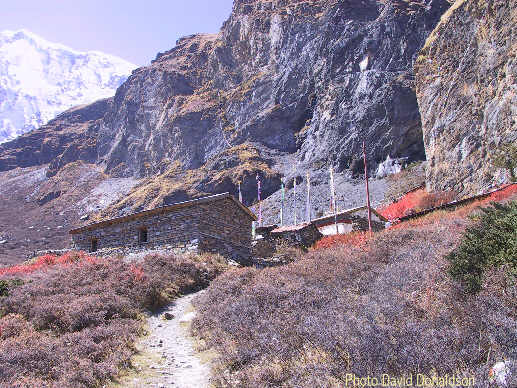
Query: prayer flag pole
pixel 260 204
pixel 367 190
pixel 308 198
pixel 295 201
pixel 282 204
pixel 333 197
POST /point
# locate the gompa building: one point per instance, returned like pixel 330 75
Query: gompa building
pixel 217 224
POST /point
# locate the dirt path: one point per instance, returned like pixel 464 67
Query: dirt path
pixel 166 356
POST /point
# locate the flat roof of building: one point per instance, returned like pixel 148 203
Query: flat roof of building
pixel 291 228
pixel 342 215
pixel 164 209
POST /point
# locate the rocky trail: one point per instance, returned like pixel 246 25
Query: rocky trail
pixel 167 357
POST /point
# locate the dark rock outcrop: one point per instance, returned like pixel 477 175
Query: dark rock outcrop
pixel 71 136
pixel 467 91
pixel 46 198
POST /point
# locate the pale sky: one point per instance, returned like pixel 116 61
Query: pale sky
pixel 135 30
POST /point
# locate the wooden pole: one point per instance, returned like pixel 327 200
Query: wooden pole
pixel 367 190
pixel 295 201
pixel 282 204
pixel 333 197
pixel 308 179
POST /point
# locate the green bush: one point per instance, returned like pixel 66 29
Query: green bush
pixel 506 157
pixel 492 242
pixel 5 285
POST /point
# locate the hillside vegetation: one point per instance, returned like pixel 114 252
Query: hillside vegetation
pixel 72 321
pixel 384 305
pixel 357 305
pixel 492 242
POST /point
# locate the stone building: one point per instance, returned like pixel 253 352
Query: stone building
pixel 217 224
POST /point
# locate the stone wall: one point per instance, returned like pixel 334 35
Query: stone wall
pixel 361 224
pixel 271 240
pixel 177 227
pixel 219 227
pixel 225 229
pixel 302 237
pixel 124 251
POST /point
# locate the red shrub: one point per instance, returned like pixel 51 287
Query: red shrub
pixel 46 261
pixel 416 201
pixel 503 194
pixel 432 200
pixel 403 206
pixel 421 200
pixel 138 272
pixel 354 239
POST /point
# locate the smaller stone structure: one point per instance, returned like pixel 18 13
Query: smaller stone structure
pixel 270 238
pixel 217 224
pixel 303 236
pixel 350 220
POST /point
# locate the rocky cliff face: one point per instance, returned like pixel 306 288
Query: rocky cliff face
pixel 285 86
pixel 71 136
pixel 467 91
pixel 304 81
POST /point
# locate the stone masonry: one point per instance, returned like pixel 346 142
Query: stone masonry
pixel 216 224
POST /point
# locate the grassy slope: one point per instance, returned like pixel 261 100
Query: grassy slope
pixel 384 307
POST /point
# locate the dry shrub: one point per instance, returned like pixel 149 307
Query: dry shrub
pixel 286 251
pixel 432 200
pixel 74 324
pixel 388 308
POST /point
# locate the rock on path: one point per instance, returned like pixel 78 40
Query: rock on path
pixel 167 357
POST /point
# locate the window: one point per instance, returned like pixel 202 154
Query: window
pixel 142 235
pixel 94 245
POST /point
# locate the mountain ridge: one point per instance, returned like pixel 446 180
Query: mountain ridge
pixel 40 79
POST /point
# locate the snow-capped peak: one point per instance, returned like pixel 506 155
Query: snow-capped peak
pixel 40 79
